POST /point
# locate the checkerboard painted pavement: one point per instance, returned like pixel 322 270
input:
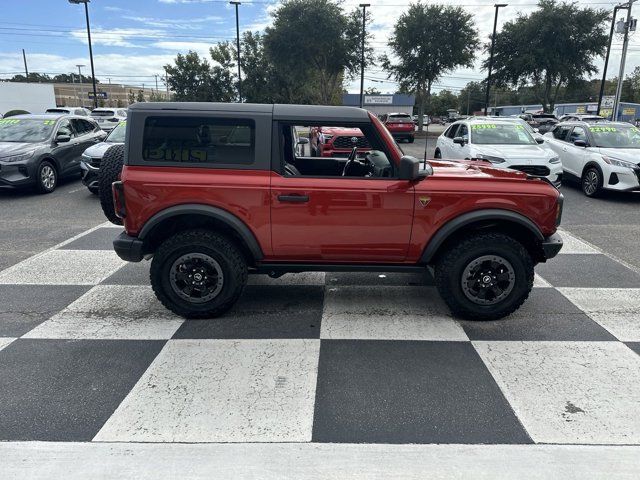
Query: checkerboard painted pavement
pixel 87 354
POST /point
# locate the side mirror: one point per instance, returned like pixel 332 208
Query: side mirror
pixel 580 143
pixel 62 138
pixel 303 141
pixel 409 169
pixel 539 140
pixel 459 140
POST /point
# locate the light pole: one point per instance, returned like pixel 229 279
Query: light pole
pixel 93 74
pixel 238 50
pixel 493 41
pixel 26 70
pixel 606 58
pixel 625 44
pixel 364 18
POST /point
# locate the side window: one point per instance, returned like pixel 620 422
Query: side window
pixel 451 133
pixel 578 133
pixel 122 113
pixel 463 132
pixel 80 127
pixel 199 140
pixel 560 132
pixel 64 128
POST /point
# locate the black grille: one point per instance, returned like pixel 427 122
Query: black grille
pixel 345 142
pixel 536 170
pixel 95 162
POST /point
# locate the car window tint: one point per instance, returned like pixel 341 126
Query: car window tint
pixel 578 133
pixel 451 133
pixel 80 127
pixel 65 128
pixel 560 133
pixel 463 132
pixel 199 140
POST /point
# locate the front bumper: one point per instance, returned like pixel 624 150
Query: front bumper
pixel 17 174
pixel 551 245
pixel 128 248
pixel 89 175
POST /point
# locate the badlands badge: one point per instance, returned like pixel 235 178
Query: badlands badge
pixel 424 201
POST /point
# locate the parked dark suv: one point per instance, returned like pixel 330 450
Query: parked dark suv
pixel 36 150
pixel 214 192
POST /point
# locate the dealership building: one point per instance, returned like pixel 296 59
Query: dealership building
pixel 627 112
pixel 382 103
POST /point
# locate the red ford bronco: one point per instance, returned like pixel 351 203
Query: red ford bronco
pixel 214 192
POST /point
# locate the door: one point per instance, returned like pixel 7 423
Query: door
pixel 462 152
pixel 575 155
pixel 558 142
pixel 335 218
pixel 447 142
pixel 65 152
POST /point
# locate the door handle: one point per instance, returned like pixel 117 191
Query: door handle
pixel 294 198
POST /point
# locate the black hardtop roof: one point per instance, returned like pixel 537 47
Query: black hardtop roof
pixel 302 113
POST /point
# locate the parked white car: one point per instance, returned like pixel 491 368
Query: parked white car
pixel 602 155
pixel 503 143
pixel 69 110
pixel 109 118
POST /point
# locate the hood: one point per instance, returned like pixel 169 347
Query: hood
pixel 628 154
pixel 353 132
pixel 473 169
pixel 97 150
pixel 12 148
pixel 514 153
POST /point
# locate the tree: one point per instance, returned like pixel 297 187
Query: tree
pixel 259 82
pixel 326 42
pixel 140 96
pixel 427 42
pixel 193 79
pixel 72 78
pixel 33 78
pixel 549 48
pixel 471 98
pixel 442 102
pixel 131 97
pixel 371 91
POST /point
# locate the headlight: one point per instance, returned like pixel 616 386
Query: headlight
pixel 86 157
pixel 554 160
pixel 618 163
pixel 18 158
pixel 490 158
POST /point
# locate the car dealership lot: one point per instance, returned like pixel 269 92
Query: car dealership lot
pixel 88 355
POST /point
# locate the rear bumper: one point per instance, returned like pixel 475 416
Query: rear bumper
pixel 128 248
pixel 551 245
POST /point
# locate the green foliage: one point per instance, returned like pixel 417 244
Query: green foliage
pixel 429 41
pixel 140 96
pixel 193 79
pixel 131 97
pixel 549 48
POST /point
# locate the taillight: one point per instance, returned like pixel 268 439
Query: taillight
pixel 118 199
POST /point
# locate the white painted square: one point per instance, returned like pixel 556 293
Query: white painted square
pixel 572 244
pixel 387 313
pixel 539 282
pixel 112 312
pixel 63 267
pixel 305 278
pixel 569 392
pixel 4 341
pixel 616 309
pixel 222 391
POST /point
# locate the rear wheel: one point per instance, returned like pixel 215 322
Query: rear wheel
pixel 47 177
pixel 487 276
pixel 411 139
pixel 198 274
pixel 110 169
pixel 592 182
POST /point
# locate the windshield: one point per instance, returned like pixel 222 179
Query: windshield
pixel 500 134
pixel 117 134
pixel 25 130
pixel 102 113
pixel 615 137
pixel 400 118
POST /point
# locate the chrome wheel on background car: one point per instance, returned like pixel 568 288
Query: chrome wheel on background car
pixel 591 182
pixel 488 279
pixel 196 277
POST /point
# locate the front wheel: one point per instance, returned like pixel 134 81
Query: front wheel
pixel 198 274
pixel 47 177
pixel 592 182
pixel 487 276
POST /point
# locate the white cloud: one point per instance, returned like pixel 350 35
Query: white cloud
pixel 178 24
pixel 116 37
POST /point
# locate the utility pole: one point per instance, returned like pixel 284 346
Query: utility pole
pixel 238 49
pixel 93 73
pixel 156 84
pixel 80 72
pixel 606 58
pixel 364 19
pixel 26 70
pixel 493 41
pixel 625 44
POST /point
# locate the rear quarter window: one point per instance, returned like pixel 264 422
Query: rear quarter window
pixel 198 140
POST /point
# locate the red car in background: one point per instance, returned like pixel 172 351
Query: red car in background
pixel 400 125
pixel 337 141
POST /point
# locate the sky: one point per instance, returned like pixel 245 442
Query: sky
pixel 133 39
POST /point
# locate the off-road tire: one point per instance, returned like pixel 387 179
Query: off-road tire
pixel 453 261
pixel 584 182
pixel 221 249
pixel 40 185
pixel 110 169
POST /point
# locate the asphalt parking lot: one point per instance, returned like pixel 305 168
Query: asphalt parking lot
pixel 310 371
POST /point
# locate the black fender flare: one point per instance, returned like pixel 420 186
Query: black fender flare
pixel 216 213
pixel 590 164
pixel 468 218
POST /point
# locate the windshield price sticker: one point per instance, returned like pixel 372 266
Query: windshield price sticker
pixel 483 126
pixel 603 129
pixel 49 122
pixel 9 121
